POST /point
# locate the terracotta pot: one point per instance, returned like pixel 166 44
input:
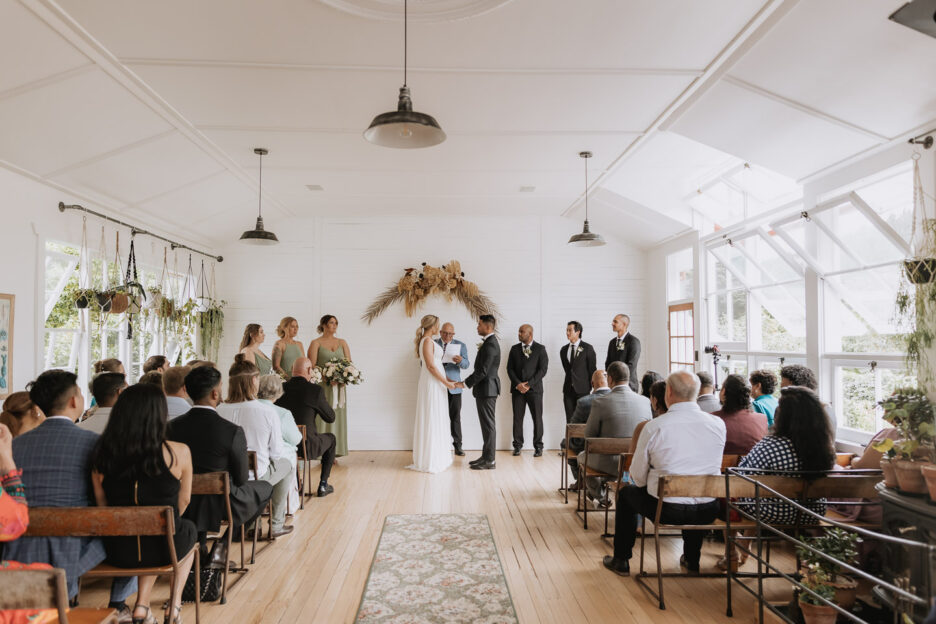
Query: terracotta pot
pixel 846 591
pixel 929 475
pixel 818 614
pixel 890 473
pixel 909 477
pixel 120 302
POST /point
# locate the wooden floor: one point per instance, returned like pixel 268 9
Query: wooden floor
pixel 553 566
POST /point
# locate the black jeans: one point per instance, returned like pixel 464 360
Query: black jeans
pixel 633 500
pixel 454 405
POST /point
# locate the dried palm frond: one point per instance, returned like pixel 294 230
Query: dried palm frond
pixel 386 299
pixel 477 303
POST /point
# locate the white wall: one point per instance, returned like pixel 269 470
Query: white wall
pixel 337 266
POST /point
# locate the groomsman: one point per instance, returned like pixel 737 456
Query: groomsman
pixel 579 362
pixel 624 347
pixel 526 367
pixel 453 373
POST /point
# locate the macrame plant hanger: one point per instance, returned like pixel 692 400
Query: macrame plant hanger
pixel 131 285
pixel 101 298
pixel 204 292
pixel 84 278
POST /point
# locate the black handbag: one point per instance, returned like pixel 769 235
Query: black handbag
pixel 212 576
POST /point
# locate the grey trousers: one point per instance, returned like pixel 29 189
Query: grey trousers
pixel 604 463
pixel 277 475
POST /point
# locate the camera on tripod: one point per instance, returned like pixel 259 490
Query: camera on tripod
pixel 716 355
pixel 713 350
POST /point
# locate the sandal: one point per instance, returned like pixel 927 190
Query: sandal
pixel 146 619
pixel 722 564
pixel 176 616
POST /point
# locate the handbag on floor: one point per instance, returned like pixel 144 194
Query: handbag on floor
pixel 212 575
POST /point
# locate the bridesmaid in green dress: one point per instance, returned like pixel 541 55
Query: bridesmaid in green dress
pixel 323 349
pixel 250 347
pixel 287 349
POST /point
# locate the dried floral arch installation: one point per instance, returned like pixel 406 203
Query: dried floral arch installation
pixel 417 285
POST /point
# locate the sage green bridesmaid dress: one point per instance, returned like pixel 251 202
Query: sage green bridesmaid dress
pixel 265 364
pixel 291 353
pixel 340 426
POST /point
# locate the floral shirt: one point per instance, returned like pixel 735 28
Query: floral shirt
pixel 14 515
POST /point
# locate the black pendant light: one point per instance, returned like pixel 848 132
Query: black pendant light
pixel 404 128
pixel 586 238
pixel 259 236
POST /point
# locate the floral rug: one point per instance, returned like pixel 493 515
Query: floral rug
pixel 436 568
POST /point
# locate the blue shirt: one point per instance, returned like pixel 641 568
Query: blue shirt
pixel 765 404
pixel 453 371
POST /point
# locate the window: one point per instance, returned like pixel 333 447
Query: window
pixel 679 275
pixel 861 388
pixel 682 342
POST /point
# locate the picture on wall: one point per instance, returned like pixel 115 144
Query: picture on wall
pixel 6 344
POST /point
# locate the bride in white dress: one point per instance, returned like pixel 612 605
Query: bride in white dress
pixel 432 451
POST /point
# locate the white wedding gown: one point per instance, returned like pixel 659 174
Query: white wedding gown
pixel 432 445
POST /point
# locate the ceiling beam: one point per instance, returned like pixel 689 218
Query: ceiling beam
pixel 756 28
pixel 62 23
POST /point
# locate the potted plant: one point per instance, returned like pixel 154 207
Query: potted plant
pixel 103 299
pixel 814 610
pixel 910 411
pixel 84 297
pixel 842 546
pixel 886 447
pixel 211 328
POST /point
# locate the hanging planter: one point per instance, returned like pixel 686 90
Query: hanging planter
pixel 103 300
pixel 84 297
pixel 920 270
pixel 120 302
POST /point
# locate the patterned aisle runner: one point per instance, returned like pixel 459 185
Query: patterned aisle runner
pixel 436 568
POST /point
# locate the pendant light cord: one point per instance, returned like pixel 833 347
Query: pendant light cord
pixel 586 188
pixel 260 191
pixel 405 37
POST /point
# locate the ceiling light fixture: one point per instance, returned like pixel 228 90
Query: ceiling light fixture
pixel 586 238
pixel 259 236
pixel 404 128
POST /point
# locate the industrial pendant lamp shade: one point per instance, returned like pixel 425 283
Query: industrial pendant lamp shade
pixel 259 236
pixel 404 128
pixel 587 238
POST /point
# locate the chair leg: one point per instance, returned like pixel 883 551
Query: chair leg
pixel 300 479
pixel 564 478
pixel 607 511
pixel 227 565
pixel 243 565
pixel 258 526
pixel 643 535
pixel 659 566
pixel 729 546
pixel 197 584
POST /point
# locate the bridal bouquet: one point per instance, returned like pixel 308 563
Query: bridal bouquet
pixel 341 373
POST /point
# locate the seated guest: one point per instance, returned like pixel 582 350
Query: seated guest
pixel 801 440
pixel 707 399
pixel 106 387
pixel 20 414
pixel 63 482
pixel 158 363
pixel 264 434
pixel 14 515
pixel 649 378
pixel 614 415
pixel 657 407
pixel 177 399
pixel 599 383
pixel 216 445
pixel 744 427
pixel 152 378
pixel 112 365
pixel 305 400
pixel 683 441
pixel 763 384
pixel 150 471
pixel 799 375
pixel 271 389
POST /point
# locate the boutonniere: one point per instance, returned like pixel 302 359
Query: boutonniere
pixel 620 345
pixel 527 350
pixel 578 351
pixel 480 344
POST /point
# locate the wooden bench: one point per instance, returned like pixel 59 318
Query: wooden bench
pixel 599 446
pixel 573 430
pixel 117 522
pixel 46 589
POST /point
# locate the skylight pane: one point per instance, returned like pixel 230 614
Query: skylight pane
pixel 860 236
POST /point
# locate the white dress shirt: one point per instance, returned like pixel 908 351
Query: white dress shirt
pixel 261 425
pixel 177 406
pixel 97 421
pixel 683 441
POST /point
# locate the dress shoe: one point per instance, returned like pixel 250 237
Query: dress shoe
pixel 285 530
pixel 485 465
pixel 459 452
pixel 621 567
pixel 683 563
pixel 575 487
pixel 516 452
pixel 325 490
pixel 480 460
pixel 538 453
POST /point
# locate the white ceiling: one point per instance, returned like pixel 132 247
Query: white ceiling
pixel 152 109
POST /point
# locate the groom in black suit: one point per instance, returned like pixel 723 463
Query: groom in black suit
pixel 485 386
pixel 526 367
pixel 578 361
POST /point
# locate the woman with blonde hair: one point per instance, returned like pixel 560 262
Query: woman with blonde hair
pixel 326 348
pixel 431 449
pixel 20 414
pixel 250 347
pixel 287 349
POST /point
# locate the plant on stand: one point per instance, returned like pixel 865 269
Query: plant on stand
pixel 813 609
pixel 842 546
pixel 911 413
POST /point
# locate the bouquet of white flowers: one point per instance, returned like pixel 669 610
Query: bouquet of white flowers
pixel 341 373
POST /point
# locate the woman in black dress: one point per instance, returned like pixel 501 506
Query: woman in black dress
pixel 135 465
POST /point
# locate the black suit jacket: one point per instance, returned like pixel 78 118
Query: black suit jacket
pixel 527 369
pixel 483 381
pixel 306 400
pixel 629 355
pixel 218 445
pixel 578 372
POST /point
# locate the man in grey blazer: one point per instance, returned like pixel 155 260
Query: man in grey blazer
pixel 708 400
pixel 614 415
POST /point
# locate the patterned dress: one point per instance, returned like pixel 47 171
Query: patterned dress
pixel 340 426
pixel 777 453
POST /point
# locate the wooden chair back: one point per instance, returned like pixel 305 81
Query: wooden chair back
pixel 844 485
pixel 713 486
pixel 252 463
pixel 34 589
pixel 211 484
pixel 606 446
pixel 729 461
pixel 575 430
pixel 100 521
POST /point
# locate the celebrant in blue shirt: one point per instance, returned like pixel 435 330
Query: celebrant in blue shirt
pixel 453 364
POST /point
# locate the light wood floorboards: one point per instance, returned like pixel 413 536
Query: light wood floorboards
pixel 553 566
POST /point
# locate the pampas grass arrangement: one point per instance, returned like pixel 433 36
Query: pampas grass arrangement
pixel 417 285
